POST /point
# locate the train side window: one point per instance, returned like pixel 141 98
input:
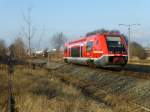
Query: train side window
pixel 89 46
pixel 75 52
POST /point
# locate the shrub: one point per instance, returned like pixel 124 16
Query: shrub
pixel 136 50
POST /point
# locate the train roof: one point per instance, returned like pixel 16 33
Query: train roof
pixel 83 39
pixel 90 36
pixel 76 41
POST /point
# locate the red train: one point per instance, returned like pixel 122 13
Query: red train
pixel 103 50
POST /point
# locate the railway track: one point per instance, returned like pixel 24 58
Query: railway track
pixel 128 71
pixel 91 89
pixel 138 71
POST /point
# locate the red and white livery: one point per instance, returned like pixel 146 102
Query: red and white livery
pixel 105 50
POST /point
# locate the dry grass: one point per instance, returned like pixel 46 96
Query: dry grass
pixel 3 88
pixel 38 91
pixel 119 90
pixel 140 62
pixel 117 103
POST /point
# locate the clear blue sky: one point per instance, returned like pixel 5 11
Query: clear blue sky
pixel 75 17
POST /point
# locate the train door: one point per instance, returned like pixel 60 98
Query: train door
pixel 81 51
pixel 69 52
pixel 89 49
pixel 97 51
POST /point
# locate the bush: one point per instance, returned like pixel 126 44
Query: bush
pixel 3 50
pixel 136 50
pixel 17 48
pixel 101 31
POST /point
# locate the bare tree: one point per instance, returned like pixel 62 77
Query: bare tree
pixel 28 29
pixel 137 50
pixel 58 40
pixel 102 31
pixel 3 49
pixel 97 31
pixel 40 37
pixel 18 48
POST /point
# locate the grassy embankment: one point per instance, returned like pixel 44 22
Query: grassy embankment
pixel 3 88
pixel 37 91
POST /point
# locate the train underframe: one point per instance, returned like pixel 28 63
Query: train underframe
pixel 104 61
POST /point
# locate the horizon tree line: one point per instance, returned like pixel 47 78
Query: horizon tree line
pixel 57 41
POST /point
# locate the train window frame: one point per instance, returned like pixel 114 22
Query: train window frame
pixel 89 46
pixel 75 51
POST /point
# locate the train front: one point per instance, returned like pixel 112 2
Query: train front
pixel 116 54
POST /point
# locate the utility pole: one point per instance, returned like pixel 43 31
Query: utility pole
pixel 28 31
pixel 129 36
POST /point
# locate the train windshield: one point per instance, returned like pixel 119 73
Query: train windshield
pixel 114 44
pixel 114 41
